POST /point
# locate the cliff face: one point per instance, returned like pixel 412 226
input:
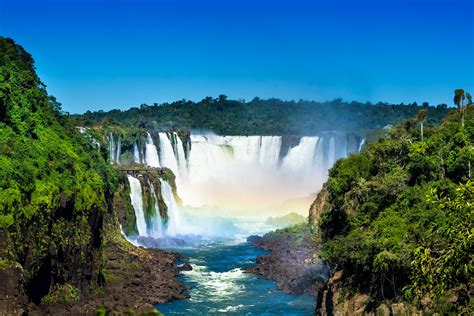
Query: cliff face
pixel 320 205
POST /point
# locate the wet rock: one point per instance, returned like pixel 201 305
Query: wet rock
pixel 292 262
pixel 254 239
pixel 185 267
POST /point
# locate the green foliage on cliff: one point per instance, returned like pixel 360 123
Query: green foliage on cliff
pixel 54 184
pixel 400 220
pixel 263 117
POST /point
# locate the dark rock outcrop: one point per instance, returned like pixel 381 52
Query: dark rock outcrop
pixel 254 240
pixel 292 262
pixel 133 279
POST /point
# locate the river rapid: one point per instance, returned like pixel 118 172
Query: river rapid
pixel 220 285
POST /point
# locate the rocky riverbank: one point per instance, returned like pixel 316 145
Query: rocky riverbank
pixel 292 260
pixel 134 281
pixel 131 280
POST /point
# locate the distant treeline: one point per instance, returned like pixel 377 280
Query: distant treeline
pixel 264 117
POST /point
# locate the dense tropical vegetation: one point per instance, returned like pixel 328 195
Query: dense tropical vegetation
pixel 264 117
pixel 54 184
pixel 400 220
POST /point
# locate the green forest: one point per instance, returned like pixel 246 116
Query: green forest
pixel 400 218
pixel 264 117
pixel 55 185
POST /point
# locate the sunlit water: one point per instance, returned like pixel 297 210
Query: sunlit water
pixel 219 284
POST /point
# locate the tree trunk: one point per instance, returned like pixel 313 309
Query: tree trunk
pixel 469 172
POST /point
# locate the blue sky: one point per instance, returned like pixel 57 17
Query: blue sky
pixel 107 54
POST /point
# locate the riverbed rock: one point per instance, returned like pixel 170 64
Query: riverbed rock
pixel 292 262
pixel 134 278
pixel 254 240
pixel 185 267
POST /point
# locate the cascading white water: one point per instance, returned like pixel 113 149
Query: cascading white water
pixel 247 171
pixel 118 150
pixel 299 159
pixel 362 142
pixel 156 227
pixel 270 150
pixel 182 163
pixel 320 173
pixel 111 147
pixel 151 154
pixel 136 153
pixel 173 208
pixel 332 153
pixel 167 156
pixel 137 203
pixel 241 174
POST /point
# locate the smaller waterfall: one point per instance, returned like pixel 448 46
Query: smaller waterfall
pixel 362 142
pixel 111 147
pixel 137 203
pixel 300 158
pixel 167 156
pixel 136 154
pixel 319 160
pixel 118 150
pixel 173 211
pixel 270 151
pixel 151 154
pixel 156 227
pixel 182 163
pixel 332 153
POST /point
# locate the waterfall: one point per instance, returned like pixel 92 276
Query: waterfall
pixel 156 227
pixel 300 158
pixel 151 154
pixel 241 172
pixel 115 150
pixel 118 150
pixel 247 171
pixel 111 147
pixel 362 142
pixel 332 153
pixel 270 150
pixel 319 161
pixel 182 163
pixel 167 156
pixel 137 203
pixel 173 212
pixel 136 153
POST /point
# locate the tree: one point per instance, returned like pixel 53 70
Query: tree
pixel 459 97
pixel 222 98
pixel 55 105
pixel 421 117
pixel 445 263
